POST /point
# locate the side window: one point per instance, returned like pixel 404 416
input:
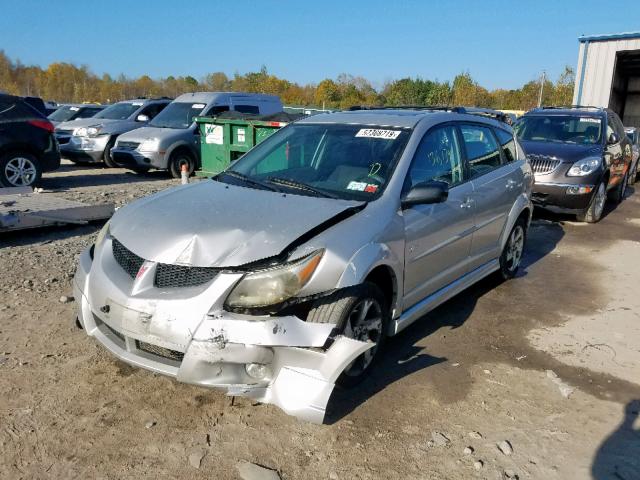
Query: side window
pixel 618 125
pixel 87 112
pixel 507 144
pixel 247 109
pixel 152 110
pixel 610 127
pixel 216 110
pixel 437 158
pixel 482 150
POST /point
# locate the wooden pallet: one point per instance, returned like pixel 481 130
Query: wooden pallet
pixel 21 208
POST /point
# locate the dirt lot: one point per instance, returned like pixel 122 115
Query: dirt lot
pixel 549 362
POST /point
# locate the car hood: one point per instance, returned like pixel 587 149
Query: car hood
pixel 86 122
pixel 212 224
pixel 144 133
pixel 567 152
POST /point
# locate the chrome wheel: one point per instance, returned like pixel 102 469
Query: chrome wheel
pixel 601 197
pixel 364 323
pixel 20 172
pixel 515 248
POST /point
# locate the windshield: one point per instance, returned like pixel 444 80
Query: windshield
pixel 64 113
pixel 632 136
pixel 177 115
pixel 119 111
pixel 560 128
pixel 352 162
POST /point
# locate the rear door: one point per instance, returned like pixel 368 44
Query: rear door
pixel 615 154
pixel 497 181
pixel 438 236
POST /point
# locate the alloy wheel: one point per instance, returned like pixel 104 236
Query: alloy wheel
pixel 20 171
pixel 515 248
pixel 364 323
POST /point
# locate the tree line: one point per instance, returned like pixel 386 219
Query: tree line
pixel 65 82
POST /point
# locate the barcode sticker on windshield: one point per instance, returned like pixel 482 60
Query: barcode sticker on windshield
pixel 377 133
pixel 589 120
pixel 198 105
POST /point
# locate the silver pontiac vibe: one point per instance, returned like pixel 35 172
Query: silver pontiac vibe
pixel 283 275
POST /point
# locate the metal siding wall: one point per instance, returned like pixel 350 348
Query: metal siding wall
pixel 601 59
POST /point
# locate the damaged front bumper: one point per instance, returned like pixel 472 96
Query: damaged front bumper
pixel 188 335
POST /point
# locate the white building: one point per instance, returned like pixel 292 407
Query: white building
pixel 608 74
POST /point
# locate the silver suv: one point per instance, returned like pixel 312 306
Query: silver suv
pixel 90 140
pixel 284 274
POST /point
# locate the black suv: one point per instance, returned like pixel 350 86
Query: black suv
pixel 27 144
pixel 579 156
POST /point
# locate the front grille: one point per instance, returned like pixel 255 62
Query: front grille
pixel 168 276
pixel 129 261
pixel 128 145
pixel 63 131
pixel 63 136
pixel 159 351
pixel 543 164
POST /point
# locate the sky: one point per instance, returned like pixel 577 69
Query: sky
pixel 501 44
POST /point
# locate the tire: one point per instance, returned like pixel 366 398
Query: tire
pixel 106 156
pixel 633 174
pixel 344 308
pixel 19 169
pixel 593 212
pixel 617 195
pixel 513 250
pixel 179 158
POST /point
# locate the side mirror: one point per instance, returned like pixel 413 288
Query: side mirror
pixel 426 193
pixel 142 118
pixel 613 138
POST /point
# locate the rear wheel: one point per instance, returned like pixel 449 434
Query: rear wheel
pixel 19 170
pixel 513 250
pixel 360 313
pixel 633 174
pixel 178 159
pixel 593 213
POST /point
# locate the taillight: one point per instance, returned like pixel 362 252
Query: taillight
pixel 44 124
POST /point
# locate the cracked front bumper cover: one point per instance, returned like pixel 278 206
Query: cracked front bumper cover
pixel 213 348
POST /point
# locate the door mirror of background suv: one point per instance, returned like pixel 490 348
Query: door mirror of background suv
pixel 426 193
pixel 613 138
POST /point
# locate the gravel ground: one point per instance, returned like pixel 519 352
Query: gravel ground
pixel 536 378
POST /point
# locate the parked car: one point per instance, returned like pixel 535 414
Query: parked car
pixel 27 144
pixel 633 134
pixel 172 139
pixel 90 140
pixel 285 273
pixel 579 155
pixel 66 113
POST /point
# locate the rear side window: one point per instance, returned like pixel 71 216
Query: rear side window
pixel 216 110
pixel 438 157
pixel 87 112
pixel 247 109
pixel 14 111
pixel 507 144
pixel 482 149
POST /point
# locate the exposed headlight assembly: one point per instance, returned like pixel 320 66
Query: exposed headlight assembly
pixel 102 234
pixel 584 167
pixel 275 285
pixel 92 131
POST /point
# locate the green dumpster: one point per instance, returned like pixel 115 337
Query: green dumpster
pixel 223 140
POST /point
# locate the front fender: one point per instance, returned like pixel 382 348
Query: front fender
pixel 365 260
pixel 179 144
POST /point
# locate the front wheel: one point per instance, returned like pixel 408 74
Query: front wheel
pixel 177 160
pixel 593 213
pixel 633 175
pixel 19 170
pixel 106 156
pixel 617 195
pixel 513 250
pixel 361 313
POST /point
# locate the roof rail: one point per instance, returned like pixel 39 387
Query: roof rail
pixel 484 112
pixel 568 107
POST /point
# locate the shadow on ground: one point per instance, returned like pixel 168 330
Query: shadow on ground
pixel 403 355
pixel 618 457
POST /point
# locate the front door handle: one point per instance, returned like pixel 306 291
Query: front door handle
pixel 511 184
pixel 468 203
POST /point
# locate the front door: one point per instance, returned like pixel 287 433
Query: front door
pixel 437 236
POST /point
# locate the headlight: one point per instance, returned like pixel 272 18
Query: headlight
pixel 102 234
pixel 584 167
pixel 80 132
pixel 94 131
pixel 273 286
pixel 150 144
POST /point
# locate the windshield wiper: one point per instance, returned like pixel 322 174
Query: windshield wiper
pixel 249 180
pixel 287 182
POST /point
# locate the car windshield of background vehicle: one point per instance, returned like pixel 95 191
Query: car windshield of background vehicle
pixel 342 161
pixel 64 113
pixel 581 130
pixel 177 115
pixel 118 111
